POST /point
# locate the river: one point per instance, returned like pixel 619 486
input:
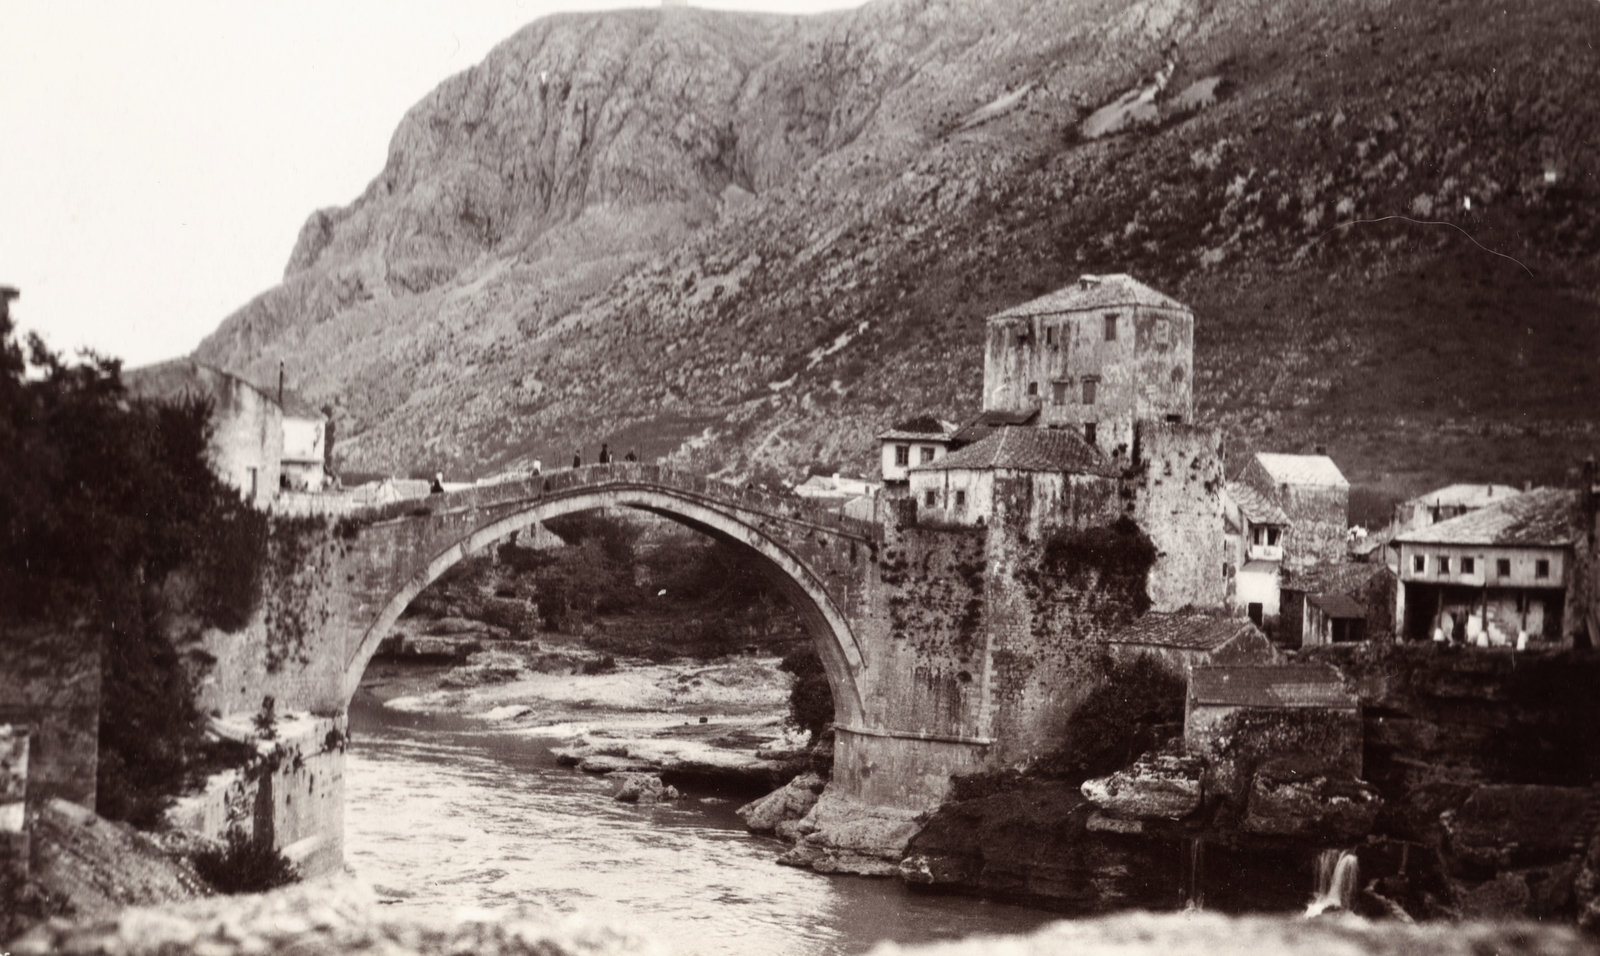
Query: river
pixel 444 812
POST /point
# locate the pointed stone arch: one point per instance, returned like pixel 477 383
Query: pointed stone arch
pixel 827 623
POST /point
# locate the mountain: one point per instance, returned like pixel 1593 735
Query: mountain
pixel 752 242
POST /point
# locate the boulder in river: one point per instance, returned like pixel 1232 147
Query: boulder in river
pixel 645 789
pixel 786 804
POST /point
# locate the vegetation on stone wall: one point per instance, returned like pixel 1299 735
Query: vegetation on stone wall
pixel 113 522
pixel 1108 564
pixel 1135 707
pixel 245 865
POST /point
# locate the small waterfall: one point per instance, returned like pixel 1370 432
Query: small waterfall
pixel 1194 889
pixel 1337 875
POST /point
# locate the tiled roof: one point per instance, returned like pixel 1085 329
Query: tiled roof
pixel 1093 292
pixel 1024 448
pixel 1538 518
pixel 178 377
pixel 1465 496
pixel 1295 685
pixel 984 425
pixel 1342 577
pixel 1190 630
pixel 1256 507
pixel 946 432
pixel 1301 469
pixel 1338 605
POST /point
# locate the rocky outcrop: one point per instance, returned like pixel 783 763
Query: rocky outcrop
pixel 1325 808
pixel 781 811
pixel 843 835
pixel 1157 786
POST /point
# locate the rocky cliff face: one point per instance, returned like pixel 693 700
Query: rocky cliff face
pixel 752 241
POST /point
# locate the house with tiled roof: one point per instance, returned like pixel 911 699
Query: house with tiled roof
pixel 1314 497
pixel 1189 638
pixel 1096 357
pixel 960 488
pixel 1497 576
pixel 919 441
pixel 1451 501
pixel 1253 539
pixel 1227 719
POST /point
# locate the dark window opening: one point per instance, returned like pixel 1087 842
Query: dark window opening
pixel 1272 537
pixel 1254 610
pixel 1058 392
pixel 1089 389
pixel 1541 568
pixel 1050 335
pixel 1444 564
pixel 1088 432
pixel 1469 565
pixel 902 455
pixel 1419 564
pixel 930 497
pixel 1258 534
pixel 1175 419
pixel 1033 389
pixel 1111 327
pixel 927 455
pixel 1502 567
pixel 961 499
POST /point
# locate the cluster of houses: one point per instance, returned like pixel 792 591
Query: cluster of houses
pixel 1070 377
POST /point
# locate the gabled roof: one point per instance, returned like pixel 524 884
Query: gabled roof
pixel 1275 686
pixel 1340 577
pixel 1256 507
pixel 1465 496
pixel 1189 630
pixel 1093 292
pixel 927 429
pixel 1023 448
pixel 175 378
pixel 1338 605
pixel 1538 518
pixel 984 425
pixel 1302 469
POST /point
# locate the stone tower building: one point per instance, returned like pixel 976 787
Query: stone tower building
pixel 1095 356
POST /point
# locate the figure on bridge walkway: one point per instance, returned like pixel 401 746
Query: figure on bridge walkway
pixel 577 459
pixel 630 456
pixel 436 487
pixel 605 454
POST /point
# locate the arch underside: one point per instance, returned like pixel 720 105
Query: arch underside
pixel 821 617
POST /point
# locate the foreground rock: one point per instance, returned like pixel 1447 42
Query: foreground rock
pixel 642 788
pixel 1326 807
pixel 338 917
pixel 842 835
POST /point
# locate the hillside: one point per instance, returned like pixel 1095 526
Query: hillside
pixel 750 241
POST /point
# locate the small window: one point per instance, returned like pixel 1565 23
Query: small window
pixel 927 454
pixel 1090 386
pixel 1160 332
pixel 1049 335
pixel 930 497
pixel 1444 564
pixel 1541 568
pixel 1419 564
pixel 1058 392
pixel 1258 534
pixel 1033 389
pixel 961 499
pixel 1272 537
pixel 1088 432
pixel 1111 327
pixel 1502 567
pixel 902 455
pixel 1469 565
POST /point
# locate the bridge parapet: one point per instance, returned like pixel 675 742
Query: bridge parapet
pixel 518 491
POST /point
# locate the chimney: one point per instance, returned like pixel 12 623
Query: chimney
pixel 280 383
pixel 1527 484
pixel 1322 450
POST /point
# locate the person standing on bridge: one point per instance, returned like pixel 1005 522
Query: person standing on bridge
pixel 577 458
pixel 605 454
pixel 437 485
pixel 630 456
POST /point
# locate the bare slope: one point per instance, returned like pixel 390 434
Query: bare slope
pixel 750 241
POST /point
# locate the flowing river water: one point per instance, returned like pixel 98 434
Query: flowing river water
pixel 445 812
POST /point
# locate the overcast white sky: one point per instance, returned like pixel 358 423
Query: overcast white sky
pixel 158 158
